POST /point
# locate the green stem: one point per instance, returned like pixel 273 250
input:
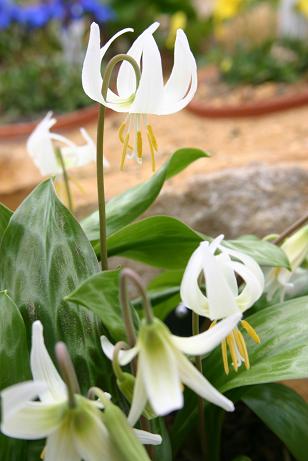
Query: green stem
pixel 100 151
pixel 290 230
pixel 198 360
pixel 133 277
pixel 68 372
pixel 65 179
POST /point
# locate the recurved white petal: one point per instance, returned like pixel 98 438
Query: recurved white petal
pixel 60 446
pixel 191 295
pixel 43 368
pixel 220 296
pixel 126 81
pixel 252 290
pixel 125 356
pixel 35 420
pixel 147 438
pixel 139 399
pixel 160 375
pixel 91 72
pixel 16 396
pixel 182 84
pixel 194 379
pixel 207 341
pixel 40 147
pixel 150 89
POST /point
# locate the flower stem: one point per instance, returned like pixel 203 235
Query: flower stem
pixel 291 229
pixel 68 372
pixel 100 151
pixel 132 276
pixel 65 179
pixel 198 359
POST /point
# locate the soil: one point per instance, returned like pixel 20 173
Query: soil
pixel 213 91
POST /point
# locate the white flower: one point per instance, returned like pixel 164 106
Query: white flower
pixel 279 280
pixel 162 366
pixel 222 297
pixel 151 95
pixel 42 150
pixel 73 433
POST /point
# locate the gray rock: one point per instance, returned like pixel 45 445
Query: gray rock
pixel 257 199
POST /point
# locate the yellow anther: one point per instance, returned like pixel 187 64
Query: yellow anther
pixel 240 341
pixel 251 331
pixel 121 132
pixel 121 135
pixel 225 356
pixel 139 144
pixel 124 151
pixel 231 344
pixel 152 136
pixel 213 324
pixel 152 153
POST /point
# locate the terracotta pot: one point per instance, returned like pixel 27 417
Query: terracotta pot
pixel 74 119
pixel 251 109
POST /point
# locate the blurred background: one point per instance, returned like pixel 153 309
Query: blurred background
pixel 250 111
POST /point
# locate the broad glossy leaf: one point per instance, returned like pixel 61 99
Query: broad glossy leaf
pixel 160 241
pixel 14 359
pixel 44 256
pixel 284 412
pixel 100 294
pixel 125 208
pixel 5 216
pixel 282 353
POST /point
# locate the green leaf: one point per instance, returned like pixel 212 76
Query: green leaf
pixel 282 353
pixel 44 256
pixel 125 208
pixel 100 294
pixel 284 412
pixel 265 253
pixel 5 216
pixel 14 359
pixel 160 241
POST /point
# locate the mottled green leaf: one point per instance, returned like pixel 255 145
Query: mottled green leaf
pixel 5 216
pixel 284 412
pixel 14 359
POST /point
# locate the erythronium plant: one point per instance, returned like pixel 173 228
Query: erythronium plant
pixel 50 277
pixel 223 296
pixel 74 425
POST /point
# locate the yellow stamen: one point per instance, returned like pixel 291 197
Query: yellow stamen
pixel 225 356
pixel 121 135
pixel 121 132
pixel 124 151
pixel 139 144
pixel 251 331
pixel 152 136
pixel 240 341
pixel 152 152
pixel 231 344
pixel 213 324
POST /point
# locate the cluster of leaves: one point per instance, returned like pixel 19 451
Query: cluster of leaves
pixel 272 61
pixel 49 271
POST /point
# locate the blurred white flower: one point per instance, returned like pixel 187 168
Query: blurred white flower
pixel 73 433
pixel 42 149
pixel 221 296
pixel 279 280
pixel 163 367
pixel 151 95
